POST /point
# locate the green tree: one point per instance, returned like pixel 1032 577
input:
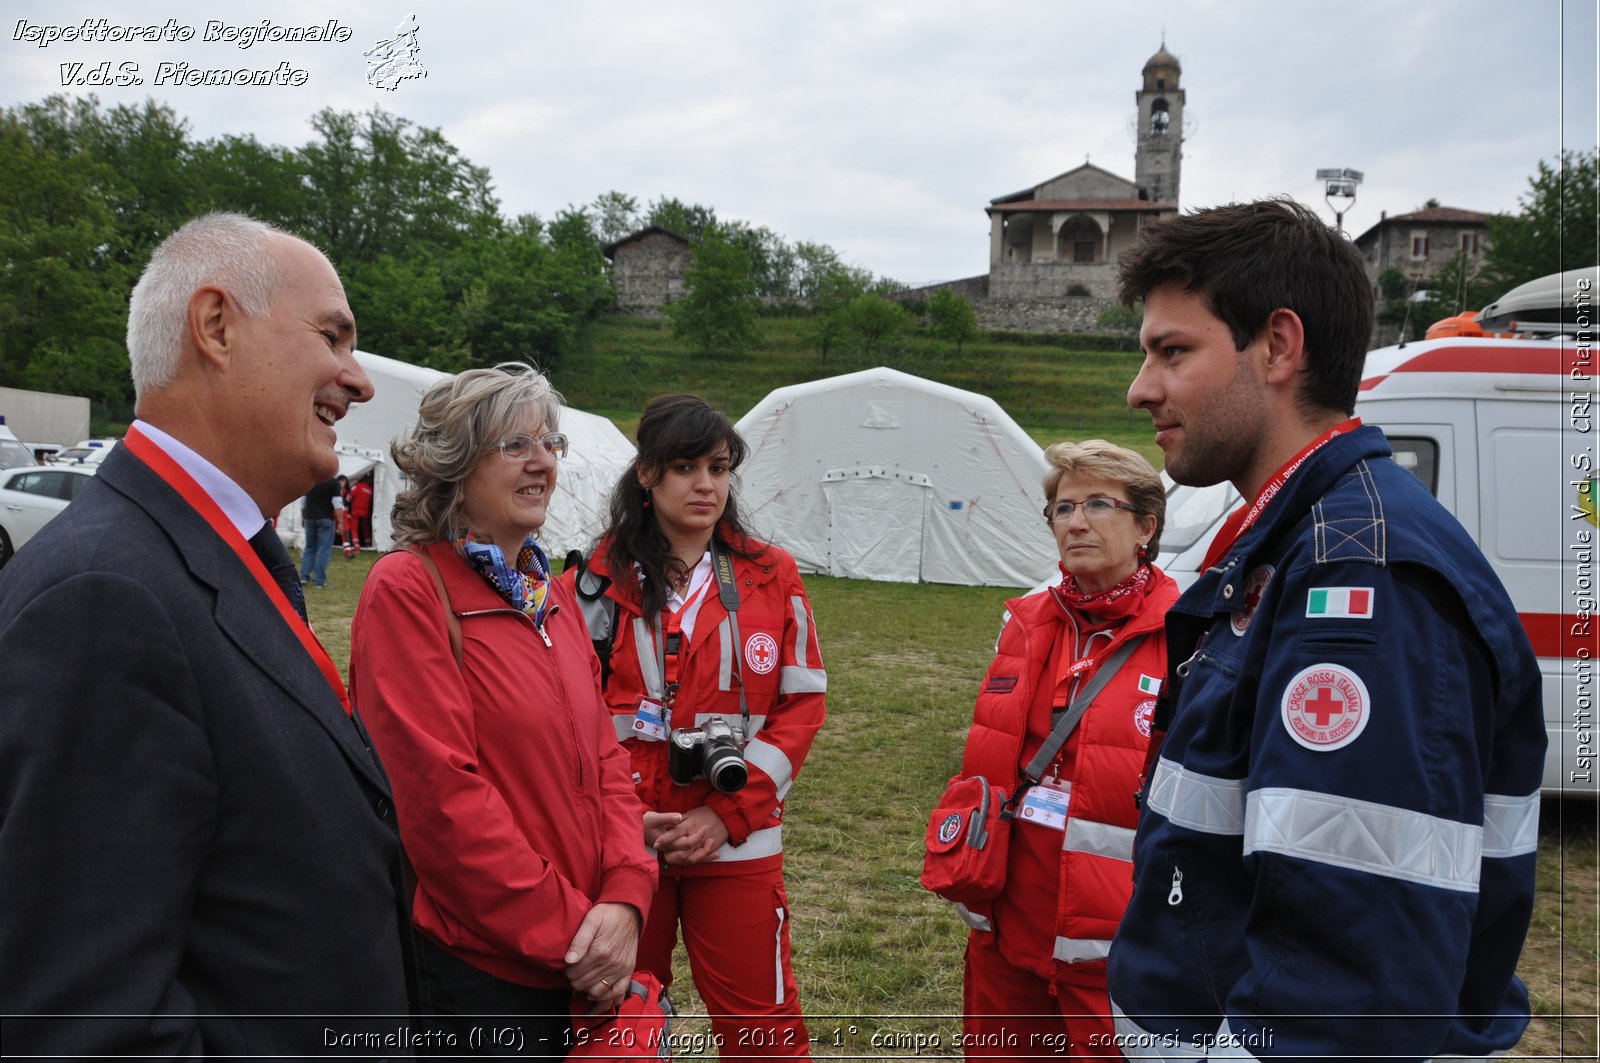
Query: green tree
pixel 1458 286
pixel 1120 320
pixel 688 221
pixel 1557 229
pixel 951 317
pixel 717 314
pixel 830 293
pixel 616 215
pixel 63 286
pixel 873 327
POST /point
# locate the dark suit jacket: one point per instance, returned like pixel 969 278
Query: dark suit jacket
pixel 191 828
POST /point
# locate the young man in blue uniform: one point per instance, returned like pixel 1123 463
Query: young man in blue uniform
pixel 1336 853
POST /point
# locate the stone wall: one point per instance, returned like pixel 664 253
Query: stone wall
pixel 648 273
pixel 1062 313
pixel 1047 282
pixel 1071 313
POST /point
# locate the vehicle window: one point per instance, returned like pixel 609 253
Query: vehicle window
pixel 33 483
pixel 73 484
pixel 14 455
pixel 1421 455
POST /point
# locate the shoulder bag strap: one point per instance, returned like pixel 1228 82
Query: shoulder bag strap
pixel 452 623
pixel 1080 705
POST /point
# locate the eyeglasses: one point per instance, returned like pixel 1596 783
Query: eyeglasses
pixel 520 447
pixel 1093 508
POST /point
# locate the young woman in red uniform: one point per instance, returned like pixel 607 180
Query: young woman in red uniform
pixel 712 650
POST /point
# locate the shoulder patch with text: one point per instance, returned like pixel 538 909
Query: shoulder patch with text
pixel 1326 707
pixel 761 652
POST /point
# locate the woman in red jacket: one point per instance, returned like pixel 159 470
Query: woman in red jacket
pixel 716 687
pixel 477 679
pixel 1036 956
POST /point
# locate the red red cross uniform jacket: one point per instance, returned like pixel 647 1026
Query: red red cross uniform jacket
pixel 785 686
pixel 514 799
pixel 1102 760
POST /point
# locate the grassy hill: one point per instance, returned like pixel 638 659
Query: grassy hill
pixel 1053 387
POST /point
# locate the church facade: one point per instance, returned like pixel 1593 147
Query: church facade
pixel 1061 237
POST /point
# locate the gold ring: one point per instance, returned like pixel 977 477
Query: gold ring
pixel 606 982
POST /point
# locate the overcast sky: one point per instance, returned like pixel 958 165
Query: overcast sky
pixel 885 128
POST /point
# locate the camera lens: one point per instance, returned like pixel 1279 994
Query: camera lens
pixel 725 768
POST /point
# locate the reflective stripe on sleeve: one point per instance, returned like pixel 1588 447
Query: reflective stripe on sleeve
pixel 1199 802
pixel 1135 1042
pixel 802 629
pixel 1098 839
pixel 772 760
pixel 1510 825
pixel 795 680
pixel 1364 836
pixel 765 842
pixel 1228 1046
pixel 1081 950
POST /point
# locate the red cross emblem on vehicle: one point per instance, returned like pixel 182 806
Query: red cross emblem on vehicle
pixel 761 652
pixel 1326 707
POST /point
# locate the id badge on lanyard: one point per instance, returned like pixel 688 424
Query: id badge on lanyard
pixel 1045 805
pixel 650 721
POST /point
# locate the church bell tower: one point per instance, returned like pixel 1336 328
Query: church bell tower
pixel 1159 129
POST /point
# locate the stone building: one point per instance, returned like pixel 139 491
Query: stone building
pixel 1063 235
pixel 1053 246
pixel 647 269
pixel 1419 244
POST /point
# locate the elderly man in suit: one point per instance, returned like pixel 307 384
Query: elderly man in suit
pixel 198 853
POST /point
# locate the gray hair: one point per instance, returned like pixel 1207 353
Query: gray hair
pixel 228 250
pixel 461 419
pixel 1097 459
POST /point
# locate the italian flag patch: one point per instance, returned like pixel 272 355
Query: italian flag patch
pixel 1352 602
pixel 1149 684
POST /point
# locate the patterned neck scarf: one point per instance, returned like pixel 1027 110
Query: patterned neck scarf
pixel 1114 603
pixel 525 585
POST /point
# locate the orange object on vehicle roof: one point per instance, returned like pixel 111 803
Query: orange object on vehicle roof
pixel 1462 324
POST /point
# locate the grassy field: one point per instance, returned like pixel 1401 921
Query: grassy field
pixel 877 956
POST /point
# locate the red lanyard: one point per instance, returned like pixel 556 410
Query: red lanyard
pixel 672 640
pixel 178 478
pixel 1240 519
pixel 1068 672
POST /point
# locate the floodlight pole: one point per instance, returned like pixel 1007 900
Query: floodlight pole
pixel 1341 184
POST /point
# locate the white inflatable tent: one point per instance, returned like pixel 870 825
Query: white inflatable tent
pixel 886 476
pixel 599 452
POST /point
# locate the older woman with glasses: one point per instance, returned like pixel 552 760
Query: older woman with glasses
pixel 477 677
pixel 1067 704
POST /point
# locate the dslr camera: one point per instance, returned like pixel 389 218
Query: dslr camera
pixel 713 751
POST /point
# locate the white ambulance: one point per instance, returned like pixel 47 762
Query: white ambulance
pixel 1503 432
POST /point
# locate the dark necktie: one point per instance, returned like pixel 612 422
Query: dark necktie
pixel 269 548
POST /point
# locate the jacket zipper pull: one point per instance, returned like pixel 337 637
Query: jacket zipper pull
pixel 1186 667
pixel 1175 898
pixel 542 635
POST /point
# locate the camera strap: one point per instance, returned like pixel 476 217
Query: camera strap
pixel 668 637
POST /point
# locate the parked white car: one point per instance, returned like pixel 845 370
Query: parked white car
pixel 31 496
pixel 88 452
